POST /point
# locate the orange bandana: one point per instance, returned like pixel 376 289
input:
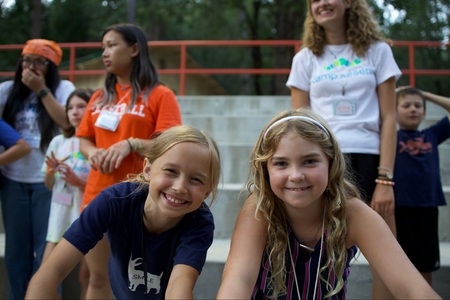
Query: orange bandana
pixel 45 48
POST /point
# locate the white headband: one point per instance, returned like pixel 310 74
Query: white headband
pixel 308 119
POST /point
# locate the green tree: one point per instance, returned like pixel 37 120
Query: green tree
pixel 15 24
pixel 422 21
pixel 84 20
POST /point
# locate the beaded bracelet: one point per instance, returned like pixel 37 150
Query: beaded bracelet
pixel 385 182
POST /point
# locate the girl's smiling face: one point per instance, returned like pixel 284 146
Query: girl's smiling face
pixel 300 177
pixel 179 180
pixel 329 13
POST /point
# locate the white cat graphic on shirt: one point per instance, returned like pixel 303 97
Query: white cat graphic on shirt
pixel 136 277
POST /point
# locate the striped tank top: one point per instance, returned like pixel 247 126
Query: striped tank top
pixel 306 269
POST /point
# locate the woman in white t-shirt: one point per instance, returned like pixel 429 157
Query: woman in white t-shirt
pixel 346 72
pixel 33 104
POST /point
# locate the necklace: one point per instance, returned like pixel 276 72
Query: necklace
pixel 308 240
pixel 344 82
pixel 301 241
pixel 318 263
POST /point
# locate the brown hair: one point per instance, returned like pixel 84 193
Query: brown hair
pixel 84 94
pixel 411 91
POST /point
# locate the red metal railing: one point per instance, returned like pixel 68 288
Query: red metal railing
pixel 182 71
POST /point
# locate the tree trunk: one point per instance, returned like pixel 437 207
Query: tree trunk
pixel 289 16
pixel 36 17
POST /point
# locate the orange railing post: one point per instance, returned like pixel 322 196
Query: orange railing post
pixel 72 62
pixel 183 71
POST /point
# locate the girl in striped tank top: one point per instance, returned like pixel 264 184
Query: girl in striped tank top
pixel 303 222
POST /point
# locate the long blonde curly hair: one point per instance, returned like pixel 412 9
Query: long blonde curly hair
pixel 360 26
pixel 339 189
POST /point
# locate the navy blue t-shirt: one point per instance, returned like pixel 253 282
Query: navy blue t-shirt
pixel 417 176
pixel 118 211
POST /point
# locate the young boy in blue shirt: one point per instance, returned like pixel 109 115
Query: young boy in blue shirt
pixel 418 187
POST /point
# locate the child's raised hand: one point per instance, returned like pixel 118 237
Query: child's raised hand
pixel 68 175
pixel 53 163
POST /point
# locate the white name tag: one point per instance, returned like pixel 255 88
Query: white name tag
pixel 344 107
pixel 63 198
pixel 33 140
pixel 108 121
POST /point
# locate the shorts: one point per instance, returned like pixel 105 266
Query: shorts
pixel 363 169
pixel 417 233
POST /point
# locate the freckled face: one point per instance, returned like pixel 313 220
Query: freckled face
pixel 179 179
pixel 300 177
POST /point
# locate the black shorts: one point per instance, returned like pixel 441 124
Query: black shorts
pixel 417 233
pixel 363 170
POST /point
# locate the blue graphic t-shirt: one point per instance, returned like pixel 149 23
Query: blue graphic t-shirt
pixel 417 174
pixel 139 259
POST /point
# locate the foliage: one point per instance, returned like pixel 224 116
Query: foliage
pixel 84 20
pixel 422 21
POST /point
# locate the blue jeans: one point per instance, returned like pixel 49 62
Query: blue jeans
pixel 25 209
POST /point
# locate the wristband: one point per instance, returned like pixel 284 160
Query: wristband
pixel 129 144
pixel 388 176
pixel 385 182
pixel 137 145
pixel 384 168
pixel 43 92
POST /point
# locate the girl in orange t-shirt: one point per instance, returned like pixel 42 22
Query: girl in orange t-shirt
pixel 118 123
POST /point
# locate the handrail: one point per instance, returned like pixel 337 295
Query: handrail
pixel 411 71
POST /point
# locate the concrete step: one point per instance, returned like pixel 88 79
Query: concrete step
pixel 236 158
pixel 444 164
pixel 230 198
pixel 235 105
pixel 444 218
pixel 226 208
pixel 235 162
pixel 230 128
